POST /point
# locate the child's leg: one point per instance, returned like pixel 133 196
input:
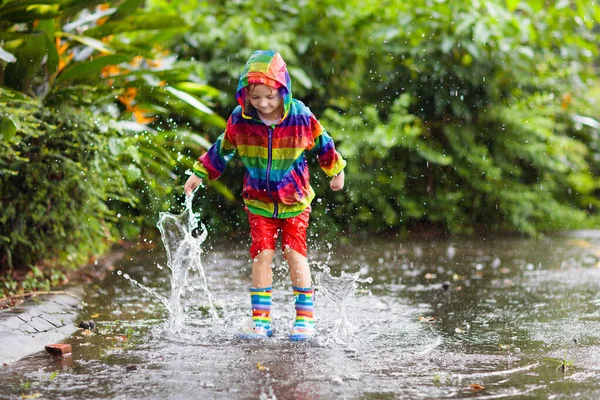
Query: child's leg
pixel 264 234
pixel 262 273
pixel 299 269
pixel 294 244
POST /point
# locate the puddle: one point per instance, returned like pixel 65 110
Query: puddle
pixel 462 318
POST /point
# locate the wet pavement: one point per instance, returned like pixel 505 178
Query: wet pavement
pixel 456 318
pixel 44 319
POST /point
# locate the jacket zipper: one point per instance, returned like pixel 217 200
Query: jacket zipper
pixel 269 162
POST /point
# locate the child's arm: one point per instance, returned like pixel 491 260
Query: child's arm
pixel 330 160
pixel 212 163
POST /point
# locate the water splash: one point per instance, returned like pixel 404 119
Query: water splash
pixel 338 290
pixel 183 259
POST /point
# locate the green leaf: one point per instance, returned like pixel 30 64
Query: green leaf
pixel 30 55
pixel 512 4
pixel 433 156
pixel 9 125
pixel 197 89
pixel 18 35
pixel 71 7
pixel 136 23
pixel 582 182
pixel 6 56
pixel 30 13
pixel 115 146
pixel 482 33
pixel 195 138
pixel 189 99
pixel 126 8
pixel 47 26
pixel 300 76
pixel 88 41
pixel 12 4
pixel 222 189
pixel 90 69
pixel 10 94
pixel 133 173
pixel 52 61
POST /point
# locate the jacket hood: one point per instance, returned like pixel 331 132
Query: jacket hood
pixel 266 67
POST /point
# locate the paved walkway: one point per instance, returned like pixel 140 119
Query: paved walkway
pixel 25 329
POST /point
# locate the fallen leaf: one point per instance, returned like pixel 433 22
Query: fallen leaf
pixel 430 320
pixel 86 332
pixel 476 387
pixel 94 315
pixel 31 396
pixel 457 277
pixel 261 367
pixel 579 243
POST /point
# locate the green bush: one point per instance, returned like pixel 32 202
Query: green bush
pixel 458 114
pixel 95 115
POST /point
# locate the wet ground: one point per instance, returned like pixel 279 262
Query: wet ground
pixel 460 318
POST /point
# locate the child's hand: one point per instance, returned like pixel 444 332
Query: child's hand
pixel 337 183
pixel 191 184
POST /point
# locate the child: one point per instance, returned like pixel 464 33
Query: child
pixel 271 132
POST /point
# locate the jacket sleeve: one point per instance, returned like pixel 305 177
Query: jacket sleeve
pixel 212 163
pixel 323 147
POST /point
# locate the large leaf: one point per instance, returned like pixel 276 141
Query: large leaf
pixel 18 35
pixel 10 5
pixel 189 99
pixel 512 4
pixel 47 26
pixel 90 68
pixel 10 94
pixel 30 13
pixel 197 89
pixel 28 66
pixel 86 18
pixel 88 41
pixel 71 7
pixel 300 76
pixel 126 8
pixel 136 23
pixel 9 125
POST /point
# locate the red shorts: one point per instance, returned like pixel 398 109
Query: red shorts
pixel 264 232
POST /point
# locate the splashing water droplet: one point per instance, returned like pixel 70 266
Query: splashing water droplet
pixel 338 290
pixel 183 259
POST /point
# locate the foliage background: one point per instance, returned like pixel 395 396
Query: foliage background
pixel 459 117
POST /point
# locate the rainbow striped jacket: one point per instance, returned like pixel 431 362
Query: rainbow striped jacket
pixel 276 180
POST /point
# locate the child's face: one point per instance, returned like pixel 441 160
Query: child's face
pixel 266 100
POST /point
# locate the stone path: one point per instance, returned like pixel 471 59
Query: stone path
pixel 25 329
